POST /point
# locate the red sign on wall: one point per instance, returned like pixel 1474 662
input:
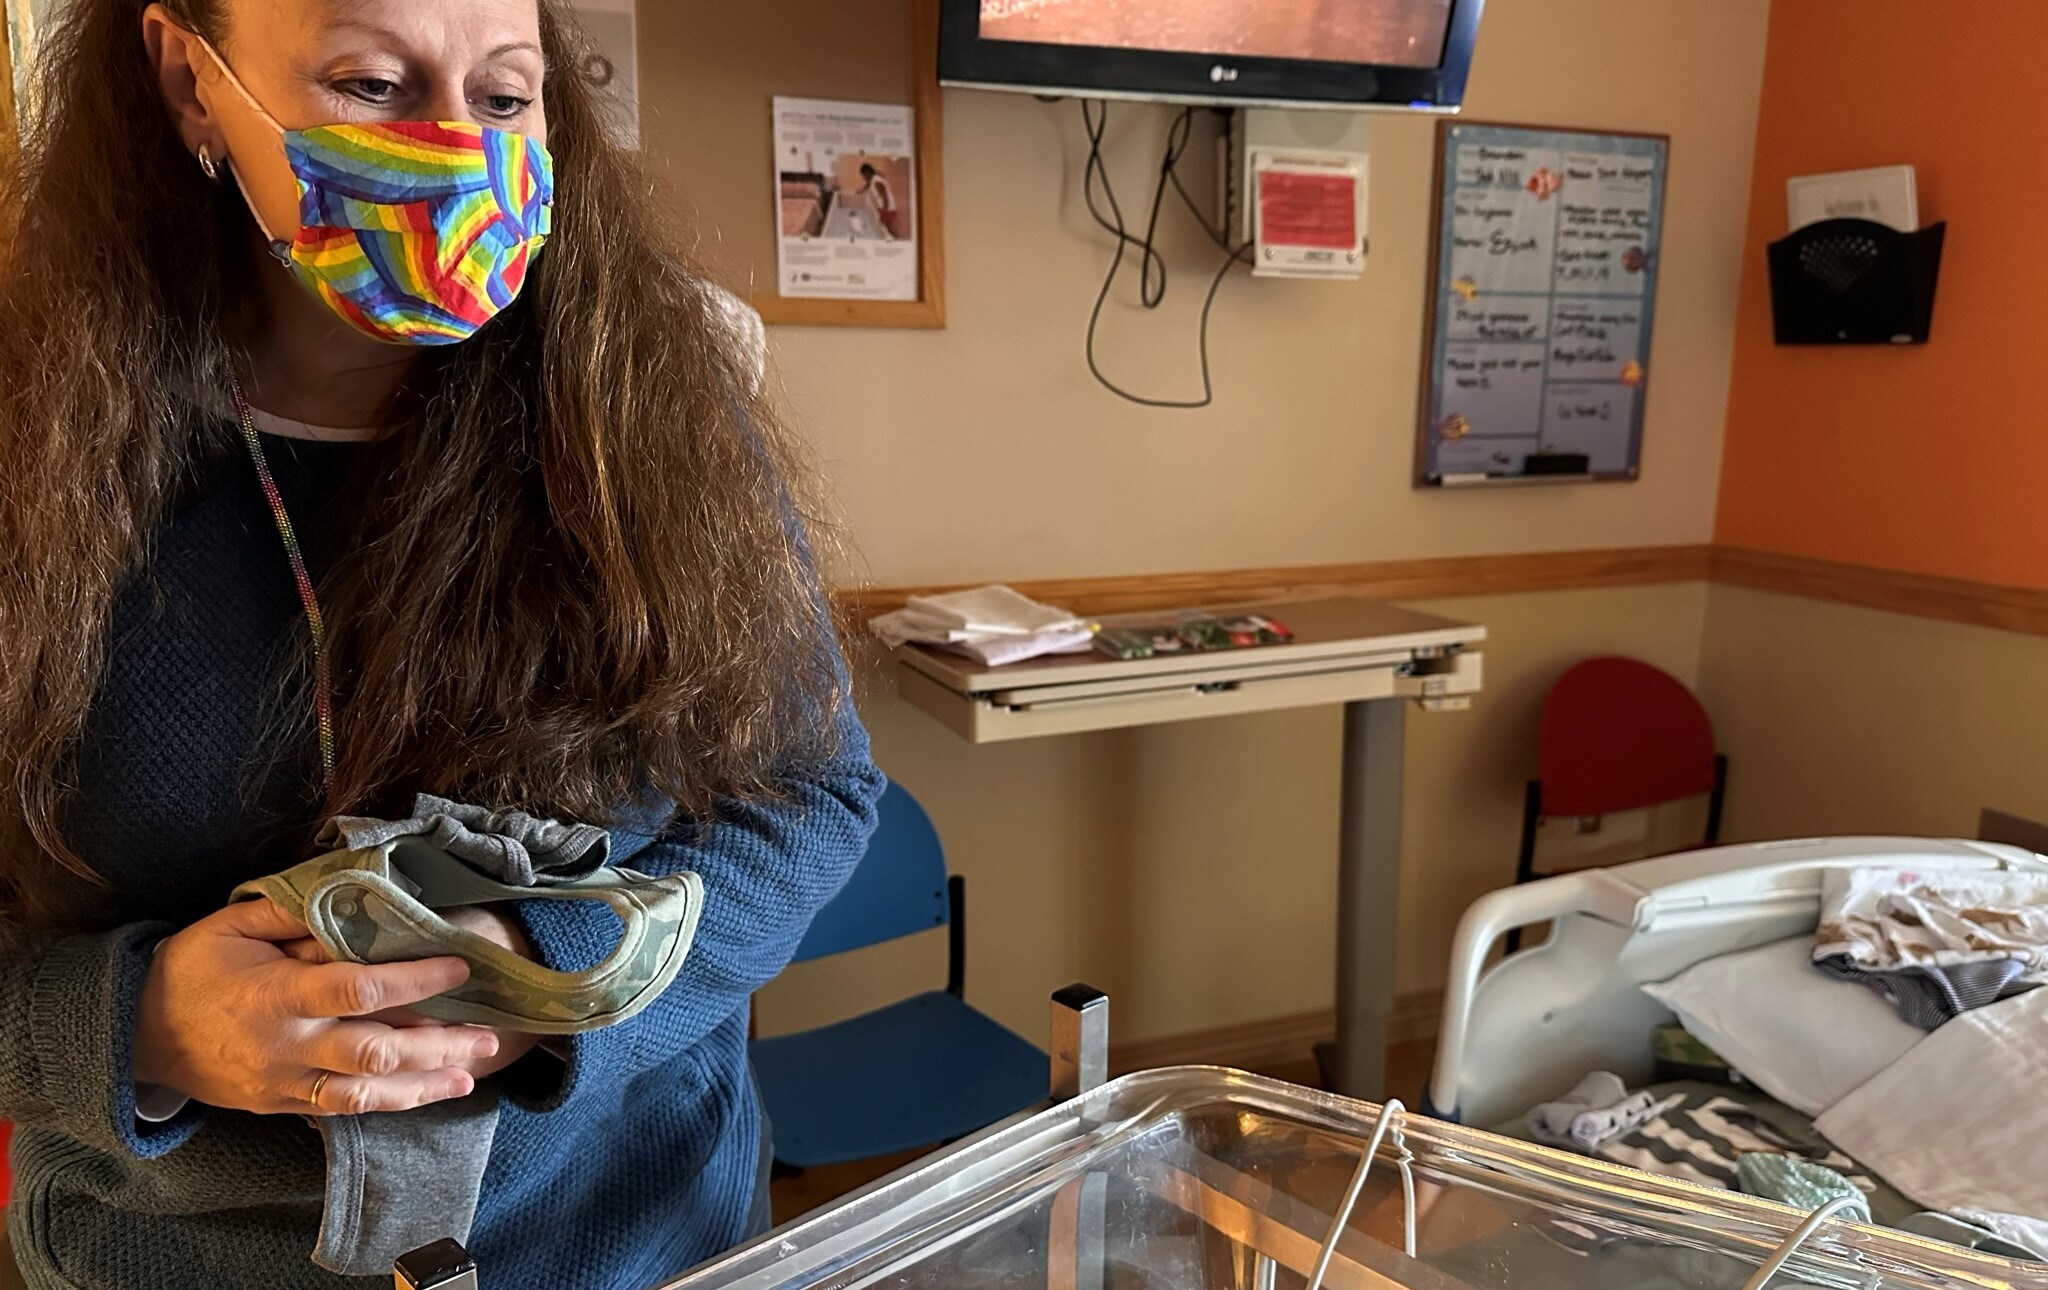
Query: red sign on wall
pixel 1298 209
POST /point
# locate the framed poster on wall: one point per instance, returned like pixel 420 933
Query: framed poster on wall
pixel 1543 295
pixel 712 75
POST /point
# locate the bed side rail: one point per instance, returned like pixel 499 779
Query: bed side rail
pixel 1574 1003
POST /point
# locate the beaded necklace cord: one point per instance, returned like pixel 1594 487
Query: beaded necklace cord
pixel 323 694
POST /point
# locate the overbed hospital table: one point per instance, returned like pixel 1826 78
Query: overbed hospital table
pixel 1374 659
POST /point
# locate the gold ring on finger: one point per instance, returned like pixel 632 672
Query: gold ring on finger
pixel 320 1086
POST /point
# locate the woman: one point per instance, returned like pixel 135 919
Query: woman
pixel 881 201
pixel 330 480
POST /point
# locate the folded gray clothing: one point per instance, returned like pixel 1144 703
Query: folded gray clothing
pixel 401 1180
pixel 398 1181
pixel 1931 995
pixel 1551 1122
pixel 510 846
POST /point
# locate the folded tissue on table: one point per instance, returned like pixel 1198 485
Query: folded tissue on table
pixel 995 625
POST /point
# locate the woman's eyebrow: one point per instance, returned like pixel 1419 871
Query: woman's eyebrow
pixel 515 47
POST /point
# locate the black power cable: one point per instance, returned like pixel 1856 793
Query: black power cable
pixel 1152 272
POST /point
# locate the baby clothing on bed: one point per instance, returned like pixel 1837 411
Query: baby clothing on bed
pixel 1702 1134
pixel 1936 944
pixel 1802 1184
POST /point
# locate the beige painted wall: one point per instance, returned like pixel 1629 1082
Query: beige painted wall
pixel 1190 870
pixel 1846 720
pixel 986 451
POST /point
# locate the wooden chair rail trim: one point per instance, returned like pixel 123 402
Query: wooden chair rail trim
pixel 1385 580
pixel 1920 595
pixel 1981 604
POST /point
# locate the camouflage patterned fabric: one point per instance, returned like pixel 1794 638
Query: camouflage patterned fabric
pixel 377 906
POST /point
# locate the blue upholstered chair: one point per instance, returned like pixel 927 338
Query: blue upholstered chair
pixel 923 1071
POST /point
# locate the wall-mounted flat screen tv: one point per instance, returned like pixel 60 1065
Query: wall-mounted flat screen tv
pixel 1406 54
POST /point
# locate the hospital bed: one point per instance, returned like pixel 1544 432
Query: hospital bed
pixel 1520 1029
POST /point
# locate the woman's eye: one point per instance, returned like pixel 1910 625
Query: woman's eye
pixel 370 89
pixel 506 105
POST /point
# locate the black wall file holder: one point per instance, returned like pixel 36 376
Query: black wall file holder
pixel 1855 282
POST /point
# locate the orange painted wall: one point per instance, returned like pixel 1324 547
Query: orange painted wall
pixel 1931 459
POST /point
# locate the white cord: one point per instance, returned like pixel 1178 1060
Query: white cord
pixel 1407 1201
pixel 1792 1243
pixel 1343 1220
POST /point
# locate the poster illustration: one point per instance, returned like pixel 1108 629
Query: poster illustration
pixel 1543 296
pixel 845 177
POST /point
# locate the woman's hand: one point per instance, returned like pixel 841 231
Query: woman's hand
pixel 495 926
pixel 228 1018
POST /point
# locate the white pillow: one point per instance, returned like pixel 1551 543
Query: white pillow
pixel 1806 1039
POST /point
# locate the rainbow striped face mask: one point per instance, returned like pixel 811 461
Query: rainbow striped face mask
pixel 413 232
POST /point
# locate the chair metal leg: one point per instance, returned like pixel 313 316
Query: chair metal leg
pixel 956 937
pixel 1525 859
pixel 1719 798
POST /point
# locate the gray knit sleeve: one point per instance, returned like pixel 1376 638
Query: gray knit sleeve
pixel 67 1031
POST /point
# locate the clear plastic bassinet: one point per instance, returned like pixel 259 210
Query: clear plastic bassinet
pixel 1203 1179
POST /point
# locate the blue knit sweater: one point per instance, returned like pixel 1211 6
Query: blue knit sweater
pixel 631 1161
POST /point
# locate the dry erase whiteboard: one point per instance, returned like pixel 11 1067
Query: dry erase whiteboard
pixel 1543 295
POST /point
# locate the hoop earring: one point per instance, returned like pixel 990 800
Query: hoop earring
pixel 208 164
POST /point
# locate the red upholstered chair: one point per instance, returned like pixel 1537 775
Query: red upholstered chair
pixel 1619 735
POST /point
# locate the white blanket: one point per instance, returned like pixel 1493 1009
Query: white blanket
pixel 1960 1123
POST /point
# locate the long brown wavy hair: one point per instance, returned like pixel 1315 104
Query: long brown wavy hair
pixel 587 575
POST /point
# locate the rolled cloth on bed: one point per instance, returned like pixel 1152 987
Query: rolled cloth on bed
pixel 1937 944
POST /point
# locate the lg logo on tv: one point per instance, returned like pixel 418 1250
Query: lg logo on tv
pixel 1222 75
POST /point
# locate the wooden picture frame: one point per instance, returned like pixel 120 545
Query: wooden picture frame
pixel 9 113
pixel 928 311
pixel 1646 260
pixel 708 79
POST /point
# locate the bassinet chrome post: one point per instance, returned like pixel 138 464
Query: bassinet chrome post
pixel 1080 1065
pixel 444 1265
pixel 1080 1041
